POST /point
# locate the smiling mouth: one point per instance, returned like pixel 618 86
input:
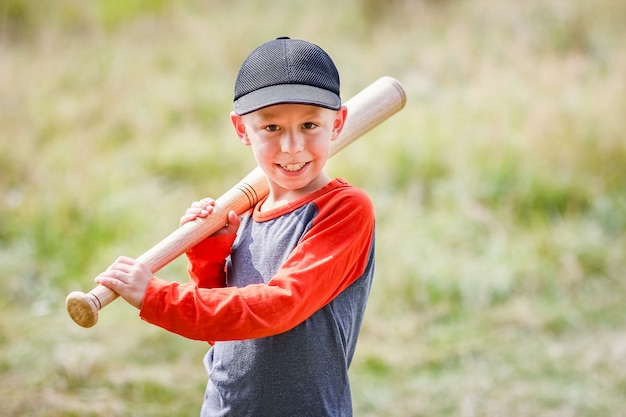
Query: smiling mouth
pixel 293 167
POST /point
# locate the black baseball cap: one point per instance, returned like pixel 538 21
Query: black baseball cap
pixel 287 70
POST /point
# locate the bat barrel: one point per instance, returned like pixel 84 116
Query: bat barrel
pixel 369 108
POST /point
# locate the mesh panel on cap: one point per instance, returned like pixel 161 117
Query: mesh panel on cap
pixel 259 70
pixel 314 65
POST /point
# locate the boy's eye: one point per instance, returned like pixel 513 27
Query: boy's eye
pixel 309 125
pixel 272 128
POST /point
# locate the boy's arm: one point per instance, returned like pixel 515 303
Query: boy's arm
pixel 331 256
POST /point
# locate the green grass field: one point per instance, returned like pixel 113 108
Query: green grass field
pixel 500 193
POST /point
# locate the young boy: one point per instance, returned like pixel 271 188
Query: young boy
pixel 280 293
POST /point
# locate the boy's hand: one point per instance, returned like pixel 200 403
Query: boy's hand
pixel 127 277
pixel 204 207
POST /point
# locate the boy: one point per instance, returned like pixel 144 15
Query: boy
pixel 280 293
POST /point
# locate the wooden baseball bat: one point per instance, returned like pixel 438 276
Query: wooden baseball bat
pixel 370 107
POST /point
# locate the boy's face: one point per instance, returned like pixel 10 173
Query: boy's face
pixel 291 144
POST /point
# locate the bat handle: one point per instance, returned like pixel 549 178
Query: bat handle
pixel 83 308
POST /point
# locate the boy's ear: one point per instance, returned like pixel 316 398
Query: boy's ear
pixel 240 128
pixel 340 121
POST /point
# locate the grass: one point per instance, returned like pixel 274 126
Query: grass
pixel 500 196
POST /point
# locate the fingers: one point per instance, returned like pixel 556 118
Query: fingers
pixel 122 263
pixel 205 203
pixel 127 277
pixel 206 206
pixel 198 209
pixel 119 271
pixel 233 222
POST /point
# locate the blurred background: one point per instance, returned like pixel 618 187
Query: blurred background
pixel 500 193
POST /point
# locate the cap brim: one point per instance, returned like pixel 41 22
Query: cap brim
pixel 286 93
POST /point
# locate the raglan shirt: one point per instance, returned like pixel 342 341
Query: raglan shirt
pixel 283 304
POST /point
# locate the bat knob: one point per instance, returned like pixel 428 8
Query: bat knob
pixel 82 308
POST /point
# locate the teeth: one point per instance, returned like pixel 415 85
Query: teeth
pixel 293 167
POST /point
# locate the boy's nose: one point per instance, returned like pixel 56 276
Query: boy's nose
pixel 292 142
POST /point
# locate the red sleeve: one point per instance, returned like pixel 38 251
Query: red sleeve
pixel 207 261
pixel 330 257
